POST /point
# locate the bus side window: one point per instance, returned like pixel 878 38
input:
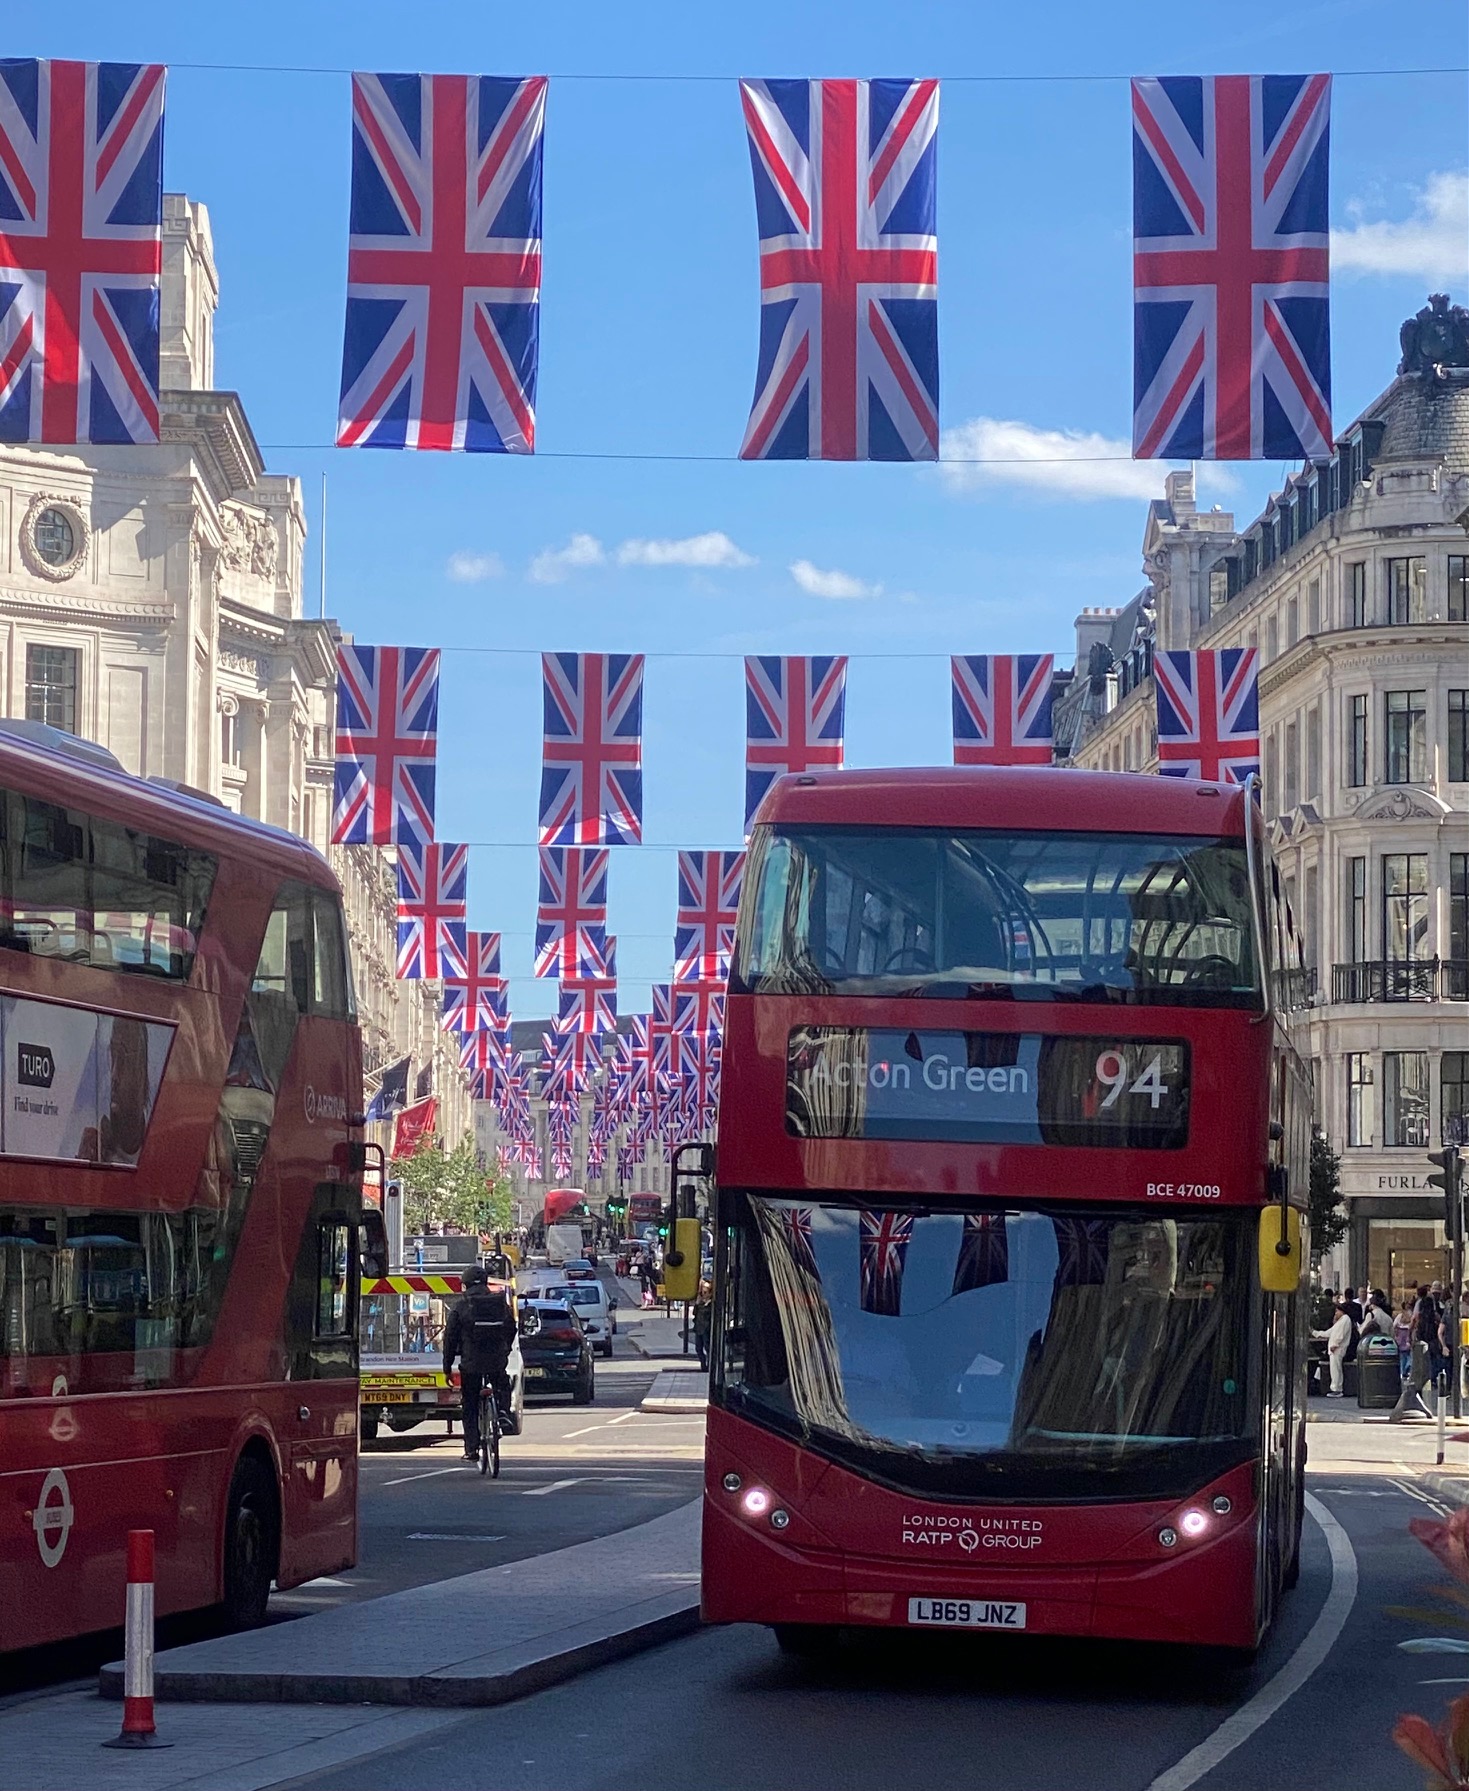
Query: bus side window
pixel 334 1258
pixel 331 992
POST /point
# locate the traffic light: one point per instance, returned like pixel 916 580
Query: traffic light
pixel 1450 1178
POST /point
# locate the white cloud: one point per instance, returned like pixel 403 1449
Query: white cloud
pixel 992 451
pixel 714 549
pixel 552 564
pixel 816 583
pixel 1432 245
pixel 471 568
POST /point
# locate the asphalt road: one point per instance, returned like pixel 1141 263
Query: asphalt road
pixel 724 1709
pixel 576 1472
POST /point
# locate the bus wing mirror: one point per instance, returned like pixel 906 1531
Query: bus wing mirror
pixel 374 1245
pixel 1280 1249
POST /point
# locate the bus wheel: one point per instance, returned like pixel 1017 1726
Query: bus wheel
pixel 805 1641
pixel 251 1543
pixel 367 1429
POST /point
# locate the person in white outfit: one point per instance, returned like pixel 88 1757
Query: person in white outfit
pixel 1338 1337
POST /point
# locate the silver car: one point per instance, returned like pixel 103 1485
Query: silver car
pixel 596 1309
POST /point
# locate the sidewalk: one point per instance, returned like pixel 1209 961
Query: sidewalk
pixel 678 1390
pixel 1341 1438
pixel 649 1333
pixel 479 1638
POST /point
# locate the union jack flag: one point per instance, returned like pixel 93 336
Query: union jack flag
pixel 387 745
pixel 708 901
pixel 476 1000
pixel 795 713
pixel 984 1252
pixel 443 263
pixel 1208 713
pixel 81 250
pixel 570 1058
pixel 844 199
pixel 660 1035
pixel 433 900
pixel 885 1238
pixel 797 1223
pixel 1002 708
pixel 571 918
pixel 1082 1246
pixel 589 1003
pixel 698 1013
pixel 485 1053
pixel 592 758
pixel 1231 310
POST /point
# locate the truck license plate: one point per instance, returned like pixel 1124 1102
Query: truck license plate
pixel 392 1397
pixel 967 1613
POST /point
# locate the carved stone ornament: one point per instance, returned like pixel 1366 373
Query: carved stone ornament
pixel 250 541
pixel 1402 805
pixel 252 665
pixel 54 537
pixel 1437 336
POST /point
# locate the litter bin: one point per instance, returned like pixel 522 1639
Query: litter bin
pixel 1378 1384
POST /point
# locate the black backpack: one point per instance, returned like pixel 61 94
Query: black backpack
pixel 487 1328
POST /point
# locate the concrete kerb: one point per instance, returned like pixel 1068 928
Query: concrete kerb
pixel 477 1639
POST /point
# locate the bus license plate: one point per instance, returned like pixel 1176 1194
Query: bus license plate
pixel 967 1613
pixel 387 1397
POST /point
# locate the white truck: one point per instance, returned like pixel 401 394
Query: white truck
pixel 563 1242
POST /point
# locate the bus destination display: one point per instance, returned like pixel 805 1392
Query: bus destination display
pixel 987 1087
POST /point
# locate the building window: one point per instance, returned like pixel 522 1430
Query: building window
pixel 1453 1097
pixel 51 686
pixel 1357 910
pixel 1218 588
pixel 1292 621
pixel 1292 766
pixel 1272 640
pixel 231 738
pixel 1405 1098
pixel 1456 971
pixel 1313 607
pixel 1357 742
pixel 1405 736
pixel 1405 907
pixel 1459 587
pixel 1357 594
pixel 1361 1099
pixel 1458 767
pixel 1271 778
pixel 1407 590
pixel 1310 918
pixel 1313 752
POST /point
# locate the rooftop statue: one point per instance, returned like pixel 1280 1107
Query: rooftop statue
pixel 1437 337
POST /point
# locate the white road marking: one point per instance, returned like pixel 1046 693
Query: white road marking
pixel 432 1474
pixel 623 1419
pixel 325 1580
pixel 566 1436
pixel 1320 1639
pixel 448 1536
pixel 1423 1498
pixel 537 1492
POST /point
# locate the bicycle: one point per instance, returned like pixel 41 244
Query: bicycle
pixel 489 1432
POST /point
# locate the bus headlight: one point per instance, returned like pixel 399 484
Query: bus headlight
pixel 1222 1504
pixel 1193 1523
pixel 756 1502
pixel 732 1482
pixel 1168 1536
pixel 780 1520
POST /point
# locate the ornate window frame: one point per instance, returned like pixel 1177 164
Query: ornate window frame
pixel 31 554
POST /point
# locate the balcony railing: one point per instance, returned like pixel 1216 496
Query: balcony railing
pixel 1396 979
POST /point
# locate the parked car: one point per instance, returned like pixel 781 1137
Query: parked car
pixel 594 1307
pixel 556 1350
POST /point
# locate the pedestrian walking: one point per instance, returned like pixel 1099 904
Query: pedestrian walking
pixel 645 1279
pixel 1337 1337
pixel 1427 1330
pixel 1402 1334
pixel 703 1320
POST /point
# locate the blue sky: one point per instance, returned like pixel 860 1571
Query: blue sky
pixel 648 342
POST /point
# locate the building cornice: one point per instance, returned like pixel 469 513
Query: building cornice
pixel 214 426
pixel 84 606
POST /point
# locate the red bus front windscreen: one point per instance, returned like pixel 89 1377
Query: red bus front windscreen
pixel 1004 1352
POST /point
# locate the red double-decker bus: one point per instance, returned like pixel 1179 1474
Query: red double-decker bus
pixel 1010 1124
pixel 180 1195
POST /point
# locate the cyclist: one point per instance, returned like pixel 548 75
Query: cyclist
pixel 480 1332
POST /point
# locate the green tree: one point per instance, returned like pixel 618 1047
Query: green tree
pixel 452 1188
pixel 1328 1216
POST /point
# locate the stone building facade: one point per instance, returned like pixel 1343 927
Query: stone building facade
pixel 151 599
pixel 1354 586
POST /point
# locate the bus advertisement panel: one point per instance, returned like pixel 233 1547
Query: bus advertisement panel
pixel 1004 1100
pixel 180 1195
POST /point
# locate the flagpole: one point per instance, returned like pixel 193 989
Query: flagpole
pixel 322 610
